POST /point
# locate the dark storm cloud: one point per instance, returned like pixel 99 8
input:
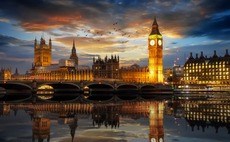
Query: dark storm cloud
pixel 182 17
pixel 216 28
pixel 13 47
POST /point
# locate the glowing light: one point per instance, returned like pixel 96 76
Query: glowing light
pixel 155 36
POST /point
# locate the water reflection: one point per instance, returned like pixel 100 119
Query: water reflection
pixel 102 114
pixel 198 114
pixel 214 113
pixel 202 114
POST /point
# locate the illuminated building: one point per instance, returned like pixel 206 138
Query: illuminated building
pixel 5 74
pixel 204 70
pixel 66 69
pixel 107 68
pixel 167 72
pixel 155 46
pixel 177 74
pixel 154 72
pixel 134 73
pixel 42 53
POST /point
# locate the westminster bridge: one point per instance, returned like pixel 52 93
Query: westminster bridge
pixel 61 90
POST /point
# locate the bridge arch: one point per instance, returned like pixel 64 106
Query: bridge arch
pixel 147 87
pixel 100 91
pixel 127 91
pixel 61 85
pixel 58 91
pixel 15 86
pixel 127 86
pixel 100 85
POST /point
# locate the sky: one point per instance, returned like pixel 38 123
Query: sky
pixel 112 27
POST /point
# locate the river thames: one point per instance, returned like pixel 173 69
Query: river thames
pixel 139 120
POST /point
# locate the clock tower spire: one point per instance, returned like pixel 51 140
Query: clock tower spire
pixel 155 46
pixel 155 29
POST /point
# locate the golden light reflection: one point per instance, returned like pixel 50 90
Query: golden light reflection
pixel 45 92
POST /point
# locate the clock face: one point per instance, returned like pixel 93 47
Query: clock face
pixel 160 140
pixel 153 140
pixel 159 42
pixel 152 42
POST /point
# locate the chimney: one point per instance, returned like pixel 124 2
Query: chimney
pixel 201 54
pixel 191 57
pixel 226 54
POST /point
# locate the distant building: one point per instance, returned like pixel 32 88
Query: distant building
pixel 107 68
pixel 167 72
pixel 177 74
pixel 5 74
pixel 204 70
pixel 66 69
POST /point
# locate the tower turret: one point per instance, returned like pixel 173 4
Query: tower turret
pixel 35 43
pixel 50 43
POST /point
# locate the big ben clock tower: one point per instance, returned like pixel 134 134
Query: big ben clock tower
pixel 155 46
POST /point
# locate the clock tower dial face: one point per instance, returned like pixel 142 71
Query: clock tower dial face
pixel 152 42
pixel 153 140
pixel 159 42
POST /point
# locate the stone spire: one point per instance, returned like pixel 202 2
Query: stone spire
pixel 155 29
pixel 50 43
pixel 73 54
pixel 35 43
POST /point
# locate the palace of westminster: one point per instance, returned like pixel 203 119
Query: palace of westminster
pixel 198 70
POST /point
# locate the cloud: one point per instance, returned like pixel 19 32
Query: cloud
pixel 114 27
pixel 177 18
pixel 15 53
pixel 215 28
pixel 4 20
